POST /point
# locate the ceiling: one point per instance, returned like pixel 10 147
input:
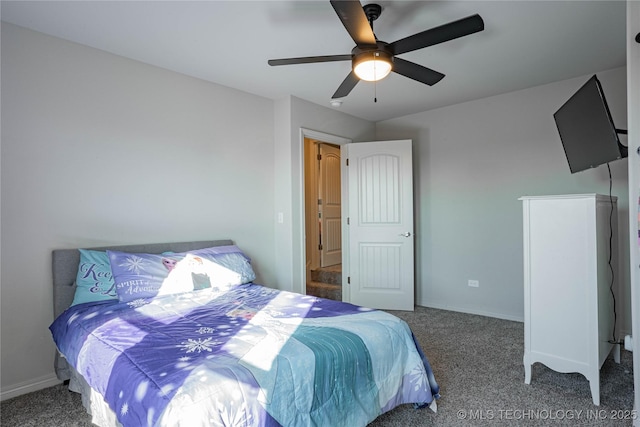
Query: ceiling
pixel 524 44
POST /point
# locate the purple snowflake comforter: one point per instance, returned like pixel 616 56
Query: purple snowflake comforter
pixel 248 356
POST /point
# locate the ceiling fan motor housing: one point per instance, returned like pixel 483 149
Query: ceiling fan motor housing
pixel 381 49
pixel 380 52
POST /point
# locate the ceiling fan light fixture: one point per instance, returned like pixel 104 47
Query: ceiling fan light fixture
pixel 372 66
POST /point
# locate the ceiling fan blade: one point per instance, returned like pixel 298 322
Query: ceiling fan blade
pixel 416 72
pixel 309 59
pixel 347 85
pixel 354 19
pixel 453 30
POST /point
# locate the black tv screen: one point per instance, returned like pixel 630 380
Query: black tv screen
pixel 586 129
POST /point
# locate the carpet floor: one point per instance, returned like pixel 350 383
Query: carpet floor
pixel 477 362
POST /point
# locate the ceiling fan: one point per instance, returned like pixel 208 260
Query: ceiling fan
pixel 372 59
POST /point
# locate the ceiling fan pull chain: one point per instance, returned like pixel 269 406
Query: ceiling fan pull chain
pixel 375 91
pixel 375 79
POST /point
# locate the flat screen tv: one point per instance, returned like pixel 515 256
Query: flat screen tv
pixel 586 129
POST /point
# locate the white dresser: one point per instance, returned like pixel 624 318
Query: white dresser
pixel 568 306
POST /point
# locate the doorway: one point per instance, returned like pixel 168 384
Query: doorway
pixel 387 263
pixel 323 223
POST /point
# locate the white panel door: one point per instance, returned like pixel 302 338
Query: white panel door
pixel 330 206
pixel 380 225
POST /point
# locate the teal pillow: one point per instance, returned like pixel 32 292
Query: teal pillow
pixel 94 281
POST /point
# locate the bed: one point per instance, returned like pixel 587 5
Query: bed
pixel 178 334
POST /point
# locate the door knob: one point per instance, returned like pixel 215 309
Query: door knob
pixel 406 234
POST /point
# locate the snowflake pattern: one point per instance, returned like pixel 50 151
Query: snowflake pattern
pixel 199 345
pixel 137 303
pixel 133 263
pixel 418 377
pixel 274 313
pixel 232 417
pixel 205 330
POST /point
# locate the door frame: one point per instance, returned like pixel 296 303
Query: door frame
pixel 335 140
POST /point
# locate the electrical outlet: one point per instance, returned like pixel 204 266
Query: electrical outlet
pixel 474 283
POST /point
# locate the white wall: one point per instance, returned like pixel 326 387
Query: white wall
pixel 472 162
pixel 98 149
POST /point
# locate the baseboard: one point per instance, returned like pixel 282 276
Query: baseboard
pixel 29 386
pixel 468 311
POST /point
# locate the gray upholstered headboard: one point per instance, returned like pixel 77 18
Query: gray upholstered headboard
pixel 65 269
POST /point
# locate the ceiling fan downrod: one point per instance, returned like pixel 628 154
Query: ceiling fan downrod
pixel 372 11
